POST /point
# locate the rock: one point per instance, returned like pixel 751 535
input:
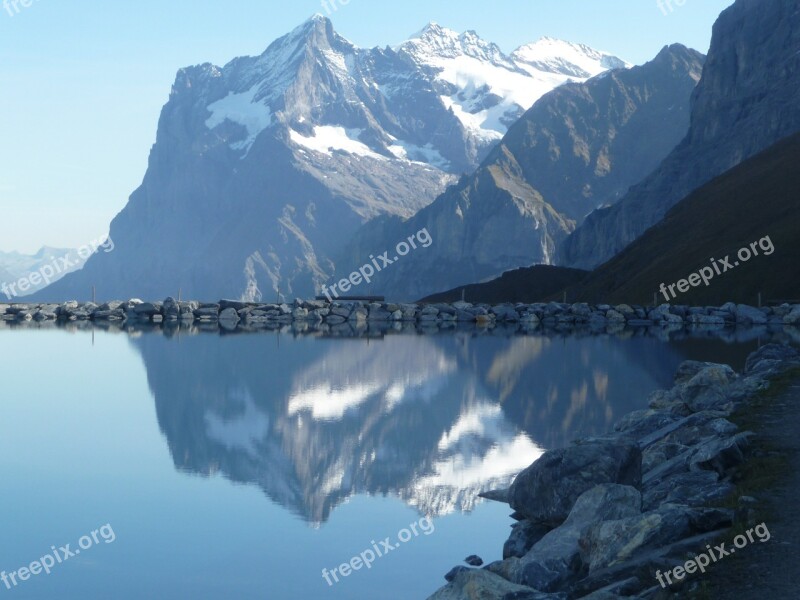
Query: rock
pixel 524 534
pixel 749 315
pixel 793 318
pixel 555 559
pixel 615 316
pixel 146 308
pixel 721 454
pixel 642 422
pixel 689 368
pixel 611 542
pixel 481 584
pixel 474 560
pixel 234 304
pixel 697 488
pixel 709 388
pixel 626 310
pixel 451 574
pixel 229 315
pixel 771 359
pixel 546 491
pixel 500 495
pixel 707 320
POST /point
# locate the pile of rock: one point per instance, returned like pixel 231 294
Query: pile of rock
pixel 599 518
pixel 232 314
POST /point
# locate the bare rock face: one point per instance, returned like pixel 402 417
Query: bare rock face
pixel 747 100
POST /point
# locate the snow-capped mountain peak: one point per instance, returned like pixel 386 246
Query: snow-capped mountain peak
pixel 551 55
pixel 488 90
pixel 435 42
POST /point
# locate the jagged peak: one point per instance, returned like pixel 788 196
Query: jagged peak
pixel 436 41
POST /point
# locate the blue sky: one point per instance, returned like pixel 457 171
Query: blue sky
pixel 83 82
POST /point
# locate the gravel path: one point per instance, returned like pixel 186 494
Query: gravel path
pixel 770 570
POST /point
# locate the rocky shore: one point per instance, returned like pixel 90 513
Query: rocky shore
pixel 320 315
pixel 600 518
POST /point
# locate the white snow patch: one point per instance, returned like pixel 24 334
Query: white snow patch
pixel 242 109
pixel 327 138
pixel 426 154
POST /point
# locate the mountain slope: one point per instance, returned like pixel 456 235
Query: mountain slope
pixel 747 100
pixel 579 147
pixel 529 285
pixel 756 200
pixel 264 168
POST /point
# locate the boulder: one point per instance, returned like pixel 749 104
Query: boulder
pixel 556 558
pixel 612 542
pixel 770 359
pixel 524 534
pixel 749 315
pixel 481 584
pixel 547 490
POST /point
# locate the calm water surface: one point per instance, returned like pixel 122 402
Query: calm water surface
pixel 241 466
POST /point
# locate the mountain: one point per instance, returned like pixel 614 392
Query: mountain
pixel 264 168
pixel 747 100
pixel 579 147
pixel 54 263
pixel 755 201
pixel 527 284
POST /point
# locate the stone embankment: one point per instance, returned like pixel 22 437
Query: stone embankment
pixel 316 314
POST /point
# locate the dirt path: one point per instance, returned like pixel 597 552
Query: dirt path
pixel 769 570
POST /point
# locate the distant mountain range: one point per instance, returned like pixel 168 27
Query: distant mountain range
pixel 263 169
pixel 15 266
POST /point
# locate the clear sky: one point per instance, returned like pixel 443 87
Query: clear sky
pixel 82 82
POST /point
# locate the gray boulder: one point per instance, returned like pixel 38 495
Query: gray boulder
pixel 556 558
pixel 547 490
pixel 481 584
pixel 612 542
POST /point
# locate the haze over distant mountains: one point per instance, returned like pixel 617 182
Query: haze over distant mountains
pixel 264 168
pixel 15 265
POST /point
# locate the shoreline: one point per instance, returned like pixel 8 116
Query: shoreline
pixel 610 516
pixel 328 317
